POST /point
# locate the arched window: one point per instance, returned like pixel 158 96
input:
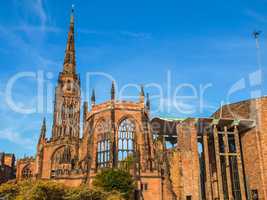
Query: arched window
pixel 62 161
pixel 26 172
pixel 126 139
pixel 103 145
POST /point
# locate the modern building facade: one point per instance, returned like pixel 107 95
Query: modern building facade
pixel 219 157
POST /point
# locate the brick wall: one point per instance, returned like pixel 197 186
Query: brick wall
pixel 253 142
pixel 189 163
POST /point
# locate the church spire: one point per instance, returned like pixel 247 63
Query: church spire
pixel 93 97
pixel 142 94
pixel 147 101
pixel 69 60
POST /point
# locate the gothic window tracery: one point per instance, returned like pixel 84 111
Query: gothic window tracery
pixel 26 172
pixel 62 161
pixel 126 139
pixel 103 146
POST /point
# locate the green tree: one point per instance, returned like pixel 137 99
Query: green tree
pixel 115 180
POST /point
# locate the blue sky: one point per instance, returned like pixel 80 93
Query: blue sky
pixel 194 44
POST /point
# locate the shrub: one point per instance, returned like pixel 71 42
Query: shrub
pixel 118 180
pixel 44 190
pixel 49 190
pixel 84 193
pixel 9 190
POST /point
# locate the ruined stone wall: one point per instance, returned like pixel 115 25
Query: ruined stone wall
pixel 189 170
pixel 22 164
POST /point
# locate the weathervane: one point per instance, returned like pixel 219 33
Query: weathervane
pixel 72 14
pixel 256 35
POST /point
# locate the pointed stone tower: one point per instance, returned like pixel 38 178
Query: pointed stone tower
pixel 147 101
pixel 112 91
pixel 66 122
pixel 93 98
pixel 142 94
pixel 40 150
pixel 42 132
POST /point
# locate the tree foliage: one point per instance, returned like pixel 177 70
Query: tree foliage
pixel 115 180
pixel 49 190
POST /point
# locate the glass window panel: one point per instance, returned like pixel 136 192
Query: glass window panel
pixel 130 144
pixel 126 142
pixel 125 145
pixel 120 144
pixel 120 155
pixel 98 149
pixel 231 141
pixel 103 146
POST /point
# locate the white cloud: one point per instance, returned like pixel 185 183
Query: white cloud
pixel 30 28
pixel 16 138
pixel 15 40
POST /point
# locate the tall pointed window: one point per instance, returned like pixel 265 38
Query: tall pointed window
pixel 126 139
pixel 26 172
pixel 103 145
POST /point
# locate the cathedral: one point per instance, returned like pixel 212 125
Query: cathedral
pixel 223 156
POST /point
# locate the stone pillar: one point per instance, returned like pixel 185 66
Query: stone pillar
pixel 113 142
pixel 207 166
pixel 239 164
pixel 228 173
pixel 180 150
pixel 218 162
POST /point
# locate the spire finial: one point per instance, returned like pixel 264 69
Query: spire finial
pixel 72 14
pixel 113 90
pixel 70 60
pixel 142 92
pixel 93 97
pixel 44 122
pixel 43 131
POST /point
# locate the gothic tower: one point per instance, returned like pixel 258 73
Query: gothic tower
pixel 66 124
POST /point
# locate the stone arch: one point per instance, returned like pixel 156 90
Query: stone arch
pixel 105 125
pixel 61 146
pixel 62 160
pixel 138 126
pixel 27 172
